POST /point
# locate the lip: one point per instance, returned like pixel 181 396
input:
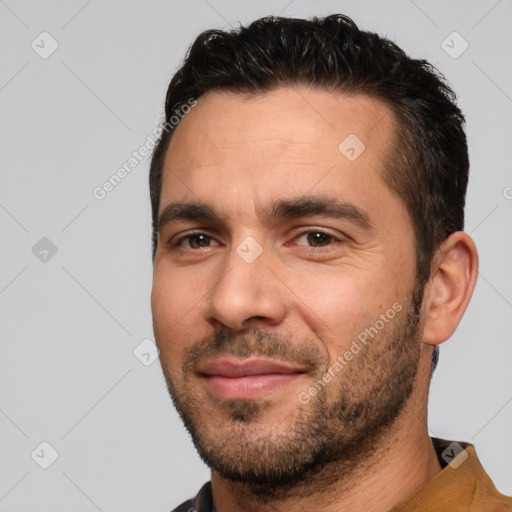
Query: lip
pixel 245 366
pixel 247 378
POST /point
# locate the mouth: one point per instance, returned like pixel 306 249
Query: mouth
pixel 249 378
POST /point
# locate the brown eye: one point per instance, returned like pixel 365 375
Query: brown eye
pixel 196 241
pixel 316 239
pixel 319 239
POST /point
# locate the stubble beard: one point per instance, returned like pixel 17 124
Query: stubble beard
pixel 317 443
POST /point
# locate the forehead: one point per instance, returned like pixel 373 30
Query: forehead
pixel 295 115
pixel 291 139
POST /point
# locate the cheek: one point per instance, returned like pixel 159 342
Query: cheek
pixel 339 306
pixel 172 305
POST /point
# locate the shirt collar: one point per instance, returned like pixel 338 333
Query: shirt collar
pixel 462 484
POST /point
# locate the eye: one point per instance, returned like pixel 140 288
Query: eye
pixel 316 238
pixel 195 241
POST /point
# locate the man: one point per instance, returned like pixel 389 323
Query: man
pixel 308 204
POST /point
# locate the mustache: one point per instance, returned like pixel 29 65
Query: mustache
pixel 253 343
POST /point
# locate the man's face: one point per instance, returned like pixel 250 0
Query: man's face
pixel 284 254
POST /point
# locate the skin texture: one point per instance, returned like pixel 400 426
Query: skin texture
pixel 361 441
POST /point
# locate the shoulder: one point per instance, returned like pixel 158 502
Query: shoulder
pixel 203 502
pixel 186 506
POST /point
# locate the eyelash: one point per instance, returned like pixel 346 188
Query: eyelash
pixel 176 244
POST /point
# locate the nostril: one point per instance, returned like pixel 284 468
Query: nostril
pixel 256 318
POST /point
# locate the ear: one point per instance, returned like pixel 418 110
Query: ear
pixel 450 287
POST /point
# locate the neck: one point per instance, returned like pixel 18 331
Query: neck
pixel 382 477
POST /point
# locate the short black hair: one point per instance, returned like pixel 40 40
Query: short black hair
pixel 428 163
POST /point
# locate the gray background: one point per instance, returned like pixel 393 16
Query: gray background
pixel 70 324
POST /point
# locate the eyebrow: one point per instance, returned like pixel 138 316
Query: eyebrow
pixel 325 206
pixel 197 211
pixel 298 207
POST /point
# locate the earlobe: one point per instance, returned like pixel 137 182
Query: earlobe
pixel 450 287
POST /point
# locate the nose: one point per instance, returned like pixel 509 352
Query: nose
pixel 247 294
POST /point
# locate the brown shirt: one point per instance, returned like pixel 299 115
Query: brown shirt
pixel 461 486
